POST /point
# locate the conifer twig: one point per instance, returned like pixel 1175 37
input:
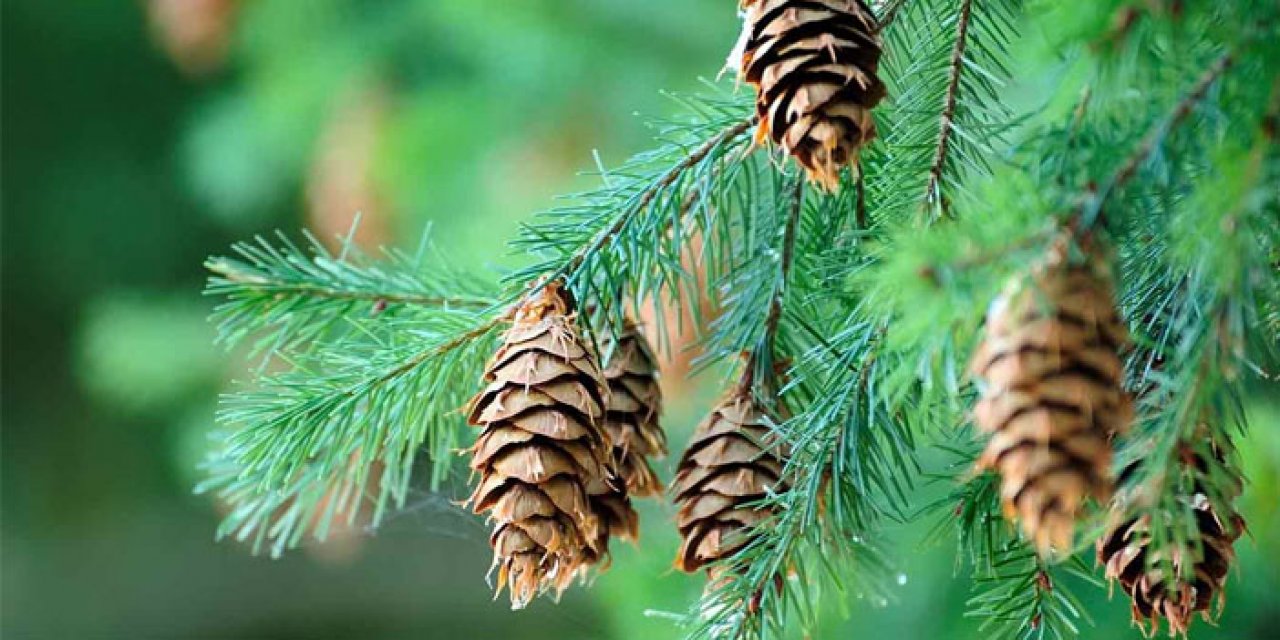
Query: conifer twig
pixel 1073 129
pixel 1017 595
pixel 257 282
pixel 774 316
pixel 606 235
pixel 291 298
pixel 1217 350
pixel 462 338
pixel 1157 133
pixel 874 353
pixel 352 415
pixel 890 12
pixel 1090 210
pixel 948 119
pixel 860 213
pixel 933 189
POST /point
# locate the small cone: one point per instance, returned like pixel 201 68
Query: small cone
pixel 730 464
pixel 542 456
pixel 635 403
pixel 618 519
pixel 1052 395
pixel 1127 554
pixel 813 64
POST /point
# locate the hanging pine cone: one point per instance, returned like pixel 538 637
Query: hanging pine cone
pixel 611 504
pixel 542 452
pixel 635 401
pixel 731 463
pixel 1052 397
pixel 1128 557
pixel 813 64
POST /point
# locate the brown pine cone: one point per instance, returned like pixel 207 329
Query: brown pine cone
pixel 542 450
pixel 634 405
pixel 813 64
pixel 1127 554
pixel 1052 395
pixel 731 463
pixel 618 519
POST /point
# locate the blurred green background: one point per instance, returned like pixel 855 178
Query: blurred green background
pixel 139 137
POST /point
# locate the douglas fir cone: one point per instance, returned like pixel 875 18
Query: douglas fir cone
pixel 1199 575
pixel 813 64
pixel 1052 394
pixel 635 402
pixel 543 457
pixel 731 463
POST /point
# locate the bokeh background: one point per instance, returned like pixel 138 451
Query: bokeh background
pixel 140 137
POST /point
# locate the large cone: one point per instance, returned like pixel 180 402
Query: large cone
pixel 1053 395
pixel 542 456
pixel 1127 554
pixel 635 402
pixel 813 64
pixel 731 463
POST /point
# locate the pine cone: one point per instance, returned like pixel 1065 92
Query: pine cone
pixel 635 402
pixel 542 455
pixel 1125 552
pixel 813 64
pixel 618 519
pixel 1053 395
pixel 730 463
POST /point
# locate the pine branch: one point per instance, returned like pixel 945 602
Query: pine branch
pixel 944 119
pixel 1178 464
pixel 288 297
pixel 759 375
pixel 1159 132
pixel 1014 599
pixel 849 449
pixel 1022 597
pixel 760 370
pixel 875 314
pixel 844 449
pixel 805 548
pixel 1018 595
pixel 1211 332
pixel 609 234
pixel 1201 333
pixel 626 238
pixel 823 503
pixel 341 432
pixel 380 355
pixel 889 11
pixel 933 190
pixel 236 273
pixel 306 444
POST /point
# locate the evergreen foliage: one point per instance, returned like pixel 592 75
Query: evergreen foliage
pixel 1150 127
